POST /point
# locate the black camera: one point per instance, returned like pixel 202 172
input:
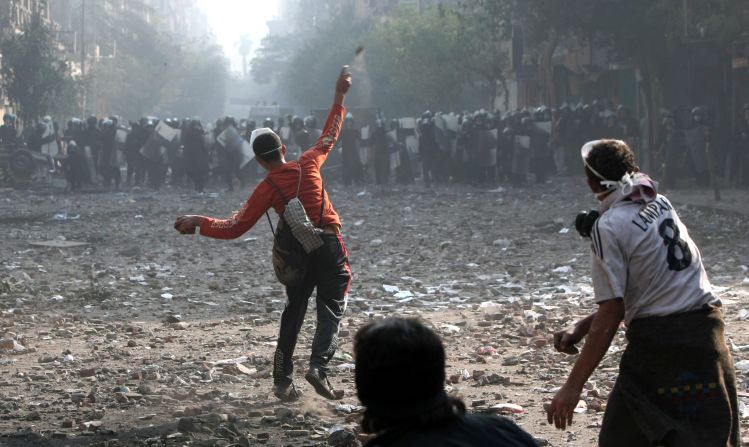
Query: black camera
pixel 584 222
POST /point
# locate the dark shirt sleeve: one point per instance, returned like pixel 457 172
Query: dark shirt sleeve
pixel 471 430
pixel 511 434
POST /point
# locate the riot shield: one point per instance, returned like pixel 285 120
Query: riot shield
pixel 229 139
pixel 237 146
pixel 487 147
pixel 167 133
pixel 153 150
pixel 392 138
pixel 408 123
pixel 521 154
pixel 696 146
pixel 544 126
pixel 451 122
pixel 121 135
pixel 412 146
pixel 246 154
pixel 50 149
pixel 209 140
pixel 90 165
pixel 118 149
pixel 440 123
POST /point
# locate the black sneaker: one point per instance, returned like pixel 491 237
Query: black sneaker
pixel 287 393
pixel 322 386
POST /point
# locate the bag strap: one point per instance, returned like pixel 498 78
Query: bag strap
pixel 322 201
pixel 278 190
pixel 298 188
pixel 280 193
pixel 270 223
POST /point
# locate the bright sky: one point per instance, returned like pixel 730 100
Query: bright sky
pixel 230 19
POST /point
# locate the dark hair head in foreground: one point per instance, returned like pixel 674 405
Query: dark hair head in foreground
pixel 267 147
pixel 611 159
pixel 400 376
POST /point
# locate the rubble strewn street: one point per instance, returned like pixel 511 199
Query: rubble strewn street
pixel 116 330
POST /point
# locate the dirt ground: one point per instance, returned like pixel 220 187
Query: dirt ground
pixel 146 337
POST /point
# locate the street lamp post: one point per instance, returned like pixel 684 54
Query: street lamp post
pixel 83 38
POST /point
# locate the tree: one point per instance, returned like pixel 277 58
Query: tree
pixel 140 70
pixel 484 34
pixel 416 61
pixel 648 33
pixel 199 84
pixel 547 23
pixel 273 58
pixel 543 25
pixel 315 64
pixel 32 73
pixel 116 26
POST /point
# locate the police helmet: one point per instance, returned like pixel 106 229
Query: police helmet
pixel 297 123
pixel 310 122
pixel 230 121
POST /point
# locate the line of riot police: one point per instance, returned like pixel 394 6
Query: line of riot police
pixel 479 148
pixel 178 151
pixel 484 149
pixel 691 150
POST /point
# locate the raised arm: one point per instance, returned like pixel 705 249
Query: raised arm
pixel 333 124
pixel 342 85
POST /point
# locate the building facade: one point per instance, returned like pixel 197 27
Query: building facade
pixel 14 15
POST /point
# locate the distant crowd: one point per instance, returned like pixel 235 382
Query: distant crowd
pixel 480 148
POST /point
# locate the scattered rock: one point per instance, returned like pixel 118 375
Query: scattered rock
pixel 507 409
pixel 236 369
pixel 340 437
pixel 175 318
pixel 188 425
pixel 11 345
pixel 87 372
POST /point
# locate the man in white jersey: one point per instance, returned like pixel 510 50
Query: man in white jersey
pixel 676 384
